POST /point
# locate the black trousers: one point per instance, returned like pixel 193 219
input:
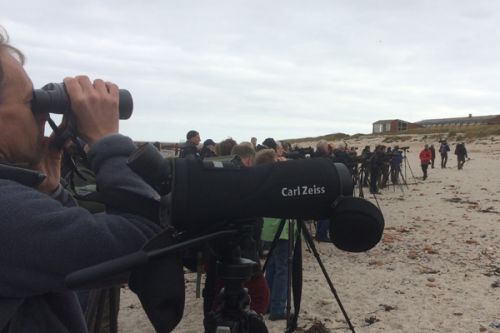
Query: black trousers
pixel 444 159
pixel 424 169
pixel 374 173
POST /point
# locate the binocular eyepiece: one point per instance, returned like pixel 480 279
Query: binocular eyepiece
pixel 53 98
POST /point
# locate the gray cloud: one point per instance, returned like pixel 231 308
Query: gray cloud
pixel 283 68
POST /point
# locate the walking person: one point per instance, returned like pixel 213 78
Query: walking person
pixel 443 150
pixel 461 153
pixel 425 160
pixel 433 152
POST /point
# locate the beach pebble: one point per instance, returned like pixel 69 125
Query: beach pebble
pixel 413 255
pixel 495 323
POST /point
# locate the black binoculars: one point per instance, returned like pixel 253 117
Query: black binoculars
pixel 53 98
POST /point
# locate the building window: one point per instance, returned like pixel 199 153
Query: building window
pixel 402 126
pixel 387 127
pixel 378 128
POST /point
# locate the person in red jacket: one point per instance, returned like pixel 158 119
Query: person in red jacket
pixel 425 160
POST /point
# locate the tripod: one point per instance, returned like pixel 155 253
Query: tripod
pixel 396 175
pixel 360 179
pixel 297 287
pixel 233 314
pixel 409 167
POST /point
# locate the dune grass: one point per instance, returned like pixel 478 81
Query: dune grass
pixel 430 134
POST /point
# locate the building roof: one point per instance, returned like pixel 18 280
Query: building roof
pixel 456 120
pixel 389 120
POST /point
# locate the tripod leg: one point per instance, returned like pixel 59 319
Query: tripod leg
pixel 361 180
pixel 411 172
pixel 310 243
pixel 374 196
pixel 290 263
pixel 404 180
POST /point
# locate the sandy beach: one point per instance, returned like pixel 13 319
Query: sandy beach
pixel 437 268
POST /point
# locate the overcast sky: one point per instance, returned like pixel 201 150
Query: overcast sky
pixel 281 69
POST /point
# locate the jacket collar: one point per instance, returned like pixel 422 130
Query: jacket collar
pixel 20 174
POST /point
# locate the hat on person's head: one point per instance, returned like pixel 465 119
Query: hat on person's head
pixel 208 142
pixel 191 134
pixel 270 143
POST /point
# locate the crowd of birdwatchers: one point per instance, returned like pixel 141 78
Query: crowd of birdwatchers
pixel 374 169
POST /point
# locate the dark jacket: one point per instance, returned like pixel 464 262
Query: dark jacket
pixel 189 150
pixel 45 238
pixel 396 158
pixel 444 149
pixel 433 152
pixel 460 150
pixel 206 152
pixel 376 160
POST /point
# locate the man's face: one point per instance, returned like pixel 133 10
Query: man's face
pixel 279 150
pixel 21 132
pixel 196 139
pixel 248 161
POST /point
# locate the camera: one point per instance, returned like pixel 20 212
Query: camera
pixel 53 98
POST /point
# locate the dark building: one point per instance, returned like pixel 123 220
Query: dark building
pixel 392 126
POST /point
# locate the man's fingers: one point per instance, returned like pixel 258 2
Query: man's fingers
pixel 73 87
pixel 85 83
pixel 112 88
pixel 100 86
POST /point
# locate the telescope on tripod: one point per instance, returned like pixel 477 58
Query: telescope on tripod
pixel 206 201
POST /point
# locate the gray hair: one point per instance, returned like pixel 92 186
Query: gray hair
pixel 322 144
pixel 265 156
pixel 4 45
pixel 244 149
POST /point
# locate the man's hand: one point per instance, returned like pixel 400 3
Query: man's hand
pixel 94 106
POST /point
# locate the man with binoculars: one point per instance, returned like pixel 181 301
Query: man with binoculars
pixel 43 234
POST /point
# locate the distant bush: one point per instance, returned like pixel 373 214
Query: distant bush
pixel 431 134
pixel 396 138
pixel 358 135
pixel 328 137
pixel 482 131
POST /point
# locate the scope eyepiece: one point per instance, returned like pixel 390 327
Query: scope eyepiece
pixel 53 98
